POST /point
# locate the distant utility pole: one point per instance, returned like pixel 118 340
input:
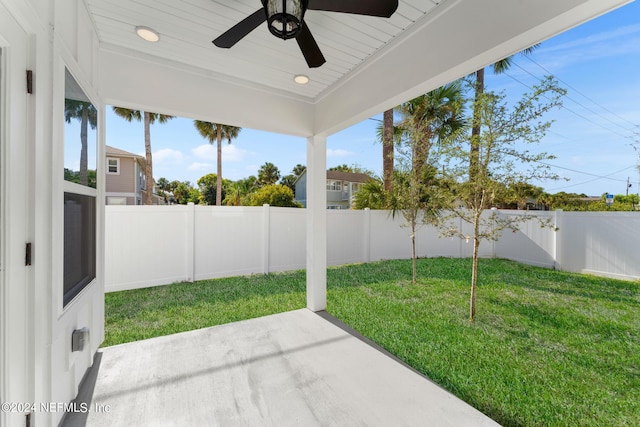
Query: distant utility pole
pixel 628 186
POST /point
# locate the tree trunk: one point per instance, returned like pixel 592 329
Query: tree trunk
pixel 474 268
pixel 413 253
pixel 83 145
pixel 387 150
pixel 219 169
pixel 148 170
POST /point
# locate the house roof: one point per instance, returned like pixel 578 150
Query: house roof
pixel 348 176
pixel 112 151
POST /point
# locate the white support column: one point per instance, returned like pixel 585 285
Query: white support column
pixel 316 223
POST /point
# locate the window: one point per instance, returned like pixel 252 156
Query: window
pixel 334 185
pixel 80 135
pixel 113 166
pixel 79 243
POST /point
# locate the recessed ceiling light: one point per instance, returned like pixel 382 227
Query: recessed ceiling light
pixel 147 34
pixel 301 79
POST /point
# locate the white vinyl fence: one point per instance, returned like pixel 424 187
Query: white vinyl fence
pixel 157 245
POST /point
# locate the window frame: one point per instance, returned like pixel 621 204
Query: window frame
pixel 334 185
pixel 108 166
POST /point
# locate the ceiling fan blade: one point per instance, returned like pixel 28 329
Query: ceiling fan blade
pixel 309 47
pixel 383 8
pixel 241 29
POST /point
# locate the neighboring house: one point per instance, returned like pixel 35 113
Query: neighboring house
pixel 341 187
pixel 125 182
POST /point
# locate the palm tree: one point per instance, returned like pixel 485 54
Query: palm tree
pixel 149 118
pixel 163 184
pixel 88 116
pixel 214 132
pixel 239 190
pixel 390 135
pixel 372 195
pixel 427 120
pixel 268 174
pixel 298 169
pixel 387 149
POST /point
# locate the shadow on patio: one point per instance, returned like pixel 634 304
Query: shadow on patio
pixel 294 368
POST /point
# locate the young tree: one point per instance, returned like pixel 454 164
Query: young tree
pixel 502 159
pixel 149 119
pixel 498 68
pixel 428 121
pixel 215 132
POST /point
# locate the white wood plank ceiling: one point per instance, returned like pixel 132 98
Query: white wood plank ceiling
pixel 187 27
pixel 372 64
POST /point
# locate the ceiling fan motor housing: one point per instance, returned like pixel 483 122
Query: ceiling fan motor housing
pixel 284 17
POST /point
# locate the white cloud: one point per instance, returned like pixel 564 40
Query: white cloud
pixel 615 36
pixel 168 155
pixel 339 152
pixel 205 152
pixel 621 43
pixel 230 153
pixel 196 166
pixel 578 160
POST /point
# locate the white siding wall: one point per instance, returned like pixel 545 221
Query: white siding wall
pixel 150 245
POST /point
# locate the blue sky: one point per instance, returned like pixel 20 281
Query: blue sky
pixel 592 137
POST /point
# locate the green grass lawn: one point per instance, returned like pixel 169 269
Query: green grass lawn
pixel 547 348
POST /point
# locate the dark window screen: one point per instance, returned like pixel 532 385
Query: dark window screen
pixel 79 243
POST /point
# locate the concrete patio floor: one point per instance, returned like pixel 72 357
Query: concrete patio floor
pixel 291 369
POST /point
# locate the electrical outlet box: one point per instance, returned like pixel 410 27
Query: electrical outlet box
pixel 79 339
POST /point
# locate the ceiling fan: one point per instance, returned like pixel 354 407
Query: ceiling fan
pixel 285 19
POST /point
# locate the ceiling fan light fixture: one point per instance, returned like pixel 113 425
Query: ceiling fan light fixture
pixel 284 17
pixel 148 34
pixel 301 79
